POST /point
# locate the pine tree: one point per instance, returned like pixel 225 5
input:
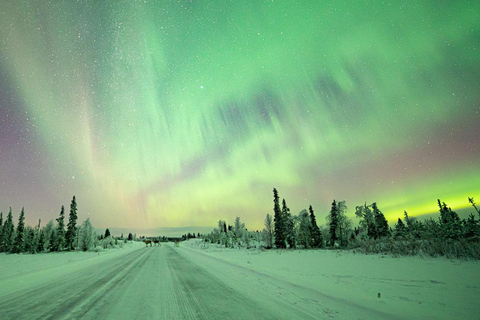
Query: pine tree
pixel 107 233
pixel 279 222
pixel 399 230
pixel 304 229
pixel 30 245
pixel 344 223
pixel 1 227
pixel 59 237
pixel 469 200
pixel 19 243
pixel 450 222
pixel 333 220
pixel 41 241
pixel 316 235
pixel 8 232
pixel 288 225
pixel 381 224
pixel 72 226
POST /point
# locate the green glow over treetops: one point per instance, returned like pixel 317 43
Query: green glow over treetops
pixel 163 113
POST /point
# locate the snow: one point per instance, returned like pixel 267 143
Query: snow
pixel 206 281
pixel 409 287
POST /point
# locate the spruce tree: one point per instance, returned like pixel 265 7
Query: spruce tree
pixel 333 223
pixel 399 229
pixel 107 233
pixel 381 224
pixel 469 200
pixel 8 231
pixel 279 222
pixel 1 227
pixel 288 225
pixel 41 241
pixel 316 235
pixel 19 243
pixel 60 234
pixel 72 226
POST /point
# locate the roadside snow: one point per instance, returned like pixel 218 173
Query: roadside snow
pixel 409 287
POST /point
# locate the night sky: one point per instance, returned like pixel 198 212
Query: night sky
pixel 181 113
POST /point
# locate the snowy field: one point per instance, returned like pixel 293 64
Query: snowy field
pixel 205 281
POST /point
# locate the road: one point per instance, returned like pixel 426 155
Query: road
pixel 148 283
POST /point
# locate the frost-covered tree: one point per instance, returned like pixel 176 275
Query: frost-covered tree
pixel 1 225
pixel 268 231
pixel 399 231
pixel 71 234
pixel 8 233
pixel 367 227
pixel 316 240
pixel 344 223
pixel 304 229
pixel 41 241
pixel 239 227
pixel 279 222
pixel 86 236
pixel 30 241
pixel 59 235
pixel 381 224
pixel 474 205
pixel 332 220
pixel 450 222
pixel 289 225
pixel 19 243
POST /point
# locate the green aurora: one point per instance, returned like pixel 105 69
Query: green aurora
pixel 181 113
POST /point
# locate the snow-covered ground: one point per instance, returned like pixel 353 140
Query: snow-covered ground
pixel 403 287
pixel 205 281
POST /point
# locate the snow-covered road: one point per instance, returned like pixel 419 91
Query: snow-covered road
pixel 166 283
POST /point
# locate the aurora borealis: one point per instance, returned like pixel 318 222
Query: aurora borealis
pixel 181 113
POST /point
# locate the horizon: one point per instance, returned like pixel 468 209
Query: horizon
pixel 154 121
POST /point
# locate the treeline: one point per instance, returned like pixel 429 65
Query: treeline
pixel 446 236
pixel 53 237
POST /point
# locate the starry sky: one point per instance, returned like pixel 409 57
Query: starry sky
pixel 181 113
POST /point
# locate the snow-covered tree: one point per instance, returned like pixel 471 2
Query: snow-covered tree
pixel 332 220
pixel 8 233
pixel 86 235
pixel 367 222
pixel 279 222
pixel 268 231
pixel 381 224
pixel 289 225
pixel 344 223
pixel 399 232
pixel 19 243
pixel 59 235
pixel 304 229
pixel 239 227
pixel 316 237
pixel 71 236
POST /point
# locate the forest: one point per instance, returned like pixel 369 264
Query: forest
pixel 447 236
pixel 54 237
